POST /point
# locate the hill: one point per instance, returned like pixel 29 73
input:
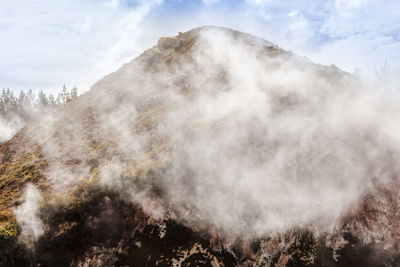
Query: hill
pixel 213 147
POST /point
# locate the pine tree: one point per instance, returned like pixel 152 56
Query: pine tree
pixel 30 100
pixel 52 101
pixel 2 104
pixel 26 104
pixel 74 92
pixel 42 102
pixel 22 99
pixel 64 95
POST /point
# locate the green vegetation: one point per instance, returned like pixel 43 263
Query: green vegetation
pixel 8 227
pixel 15 111
pixel 8 231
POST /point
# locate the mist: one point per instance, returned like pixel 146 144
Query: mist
pixel 8 127
pixel 27 215
pixel 237 135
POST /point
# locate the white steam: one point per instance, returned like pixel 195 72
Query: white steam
pixel 240 135
pixel 8 127
pixel 27 215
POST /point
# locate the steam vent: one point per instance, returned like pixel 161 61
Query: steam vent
pixel 212 148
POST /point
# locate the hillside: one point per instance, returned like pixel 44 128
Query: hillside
pixel 212 148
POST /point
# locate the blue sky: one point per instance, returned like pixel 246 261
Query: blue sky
pixel 48 43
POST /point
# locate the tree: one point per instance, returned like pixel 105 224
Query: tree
pixel 42 102
pixel 23 107
pixel 52 101
pixel 64 95
pixel 22 103
pixel 31 98
pixel 74 92
pixel 27 103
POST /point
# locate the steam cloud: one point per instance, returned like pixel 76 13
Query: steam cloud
pixel 241 136
pixel 8 127
pixel 27 215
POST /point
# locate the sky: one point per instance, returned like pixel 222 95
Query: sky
pixel 48 43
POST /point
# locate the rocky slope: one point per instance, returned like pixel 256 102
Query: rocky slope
pixel 213 148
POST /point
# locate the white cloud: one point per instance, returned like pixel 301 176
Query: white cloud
pixel 360 17
pixel 350 3
pixel 210 2
pixel 46 44
pixel 259 2
pixel 112 4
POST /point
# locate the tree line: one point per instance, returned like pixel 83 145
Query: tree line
pixel 27 103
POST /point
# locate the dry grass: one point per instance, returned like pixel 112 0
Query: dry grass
pixel 22 160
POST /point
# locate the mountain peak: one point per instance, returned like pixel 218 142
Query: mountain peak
pixel 214 31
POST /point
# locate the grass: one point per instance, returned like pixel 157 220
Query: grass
pixel 22 160
pixel 8 226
